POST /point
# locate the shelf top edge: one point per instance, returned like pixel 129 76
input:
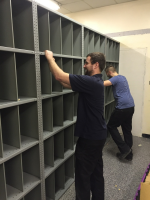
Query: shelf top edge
pixel 95 31
pixel 60 55
pixel 15 50
pixel 112 39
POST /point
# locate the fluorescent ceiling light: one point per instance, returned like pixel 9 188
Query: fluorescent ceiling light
pixel 49 4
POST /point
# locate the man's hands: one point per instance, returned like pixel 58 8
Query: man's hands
pixel 58 73
pixel 49 55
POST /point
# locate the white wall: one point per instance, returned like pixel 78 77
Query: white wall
pixel 125 17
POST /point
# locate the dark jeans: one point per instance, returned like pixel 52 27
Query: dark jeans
pixel 123 118
pixel 89 169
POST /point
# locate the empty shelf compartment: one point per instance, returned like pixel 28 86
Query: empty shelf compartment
pixel 47 109
pixel 77 40
pixel 8 83
pixel 26 75
pixel 43 29
pixel 46 76
pixel 29 122
pixel 67 40
pixel 55 32
pixel 68 138
pixel 23 24
pixel 6 33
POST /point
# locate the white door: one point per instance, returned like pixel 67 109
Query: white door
pixel 132 66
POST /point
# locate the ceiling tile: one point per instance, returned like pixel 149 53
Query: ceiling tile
pixel 67 1
pixel 123 1
pixel 77 6
pixel 63 10
pixel 100 3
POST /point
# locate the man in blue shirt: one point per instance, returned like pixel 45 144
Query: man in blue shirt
pixel 122 115
pixel 90 126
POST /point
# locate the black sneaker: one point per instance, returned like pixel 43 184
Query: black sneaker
pixel 121 156
pixel 129 157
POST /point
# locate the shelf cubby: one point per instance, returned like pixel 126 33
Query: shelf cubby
pixel 8 84
pixel 46 76
pixel 68 107
pixel 117 51
pixel 68 138
pixel 31 168
pixel 67 65
pixel 69 169
pixel 59 145
pixel 43 29
pixel 102 44
pixel 6 33
pixel 10 138
pixel 35 194
pixel 26 75
pixel 59 179
pixel 23 24
pixel 67 36
pixel 14 177
pixel 3 189
pixel 75 137
pixel 96 42
pixel 86 42
pixel 1 140
pixel 111 50
pixel 55 33
pixel 77 66
pixel 76 95
pixel 56 85
pixel 28 123
pixel 57 111
pixel 50 187
pixel 49 152
pixel 107 49
pixel 77 40
pixel 91 41
pixel 47 109
pixel 113 54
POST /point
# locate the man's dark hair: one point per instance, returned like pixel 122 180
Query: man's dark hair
pixel 98 57
pixel 110 68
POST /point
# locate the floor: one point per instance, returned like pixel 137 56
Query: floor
pixel 121 178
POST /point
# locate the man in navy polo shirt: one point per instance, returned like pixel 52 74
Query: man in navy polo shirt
pixel 123 113
pixel 90 126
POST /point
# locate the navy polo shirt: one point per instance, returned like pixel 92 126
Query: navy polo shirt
pixel 121 92
pixel 90 121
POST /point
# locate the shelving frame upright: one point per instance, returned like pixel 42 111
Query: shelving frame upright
pixel 38 115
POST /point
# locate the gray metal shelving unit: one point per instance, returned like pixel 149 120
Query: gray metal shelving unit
pixel 38 115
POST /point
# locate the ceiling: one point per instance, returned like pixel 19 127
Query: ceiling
pixel 71 6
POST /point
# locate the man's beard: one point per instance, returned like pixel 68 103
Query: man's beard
pixel 88 73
